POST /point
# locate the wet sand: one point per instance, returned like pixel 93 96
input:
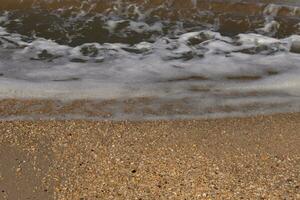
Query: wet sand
pixel 234 158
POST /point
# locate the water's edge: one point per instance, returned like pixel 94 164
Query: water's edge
pixel 190 58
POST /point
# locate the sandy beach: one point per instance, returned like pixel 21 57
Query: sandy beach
pixel 149 100
pixel 234 158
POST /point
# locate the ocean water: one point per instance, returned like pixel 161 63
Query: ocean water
pixel 204 57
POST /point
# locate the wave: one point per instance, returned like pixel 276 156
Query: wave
pixel 204 54
pixel 77 22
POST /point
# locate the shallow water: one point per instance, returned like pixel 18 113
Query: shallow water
pixel 204 54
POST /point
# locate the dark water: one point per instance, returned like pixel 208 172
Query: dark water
pixel 78 22
pixel 210 53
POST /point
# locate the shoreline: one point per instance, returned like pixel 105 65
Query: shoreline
pixel 149 100
pixel 229 158
pixel 133 109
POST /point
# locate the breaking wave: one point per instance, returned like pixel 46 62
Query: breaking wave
pixel 206 54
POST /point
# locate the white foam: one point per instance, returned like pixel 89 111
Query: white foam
pixel 288 83
pixel 199 34
pixel 43 44
pixel 272 9
pixel 257 39
pixel 293 43
pixel 169 68
pixel 271 27
pixel 3 18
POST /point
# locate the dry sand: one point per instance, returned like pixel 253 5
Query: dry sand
pixel 234 158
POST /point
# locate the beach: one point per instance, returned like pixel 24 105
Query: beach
pixel 156 99
pixel 232 158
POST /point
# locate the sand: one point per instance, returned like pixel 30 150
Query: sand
pixel 235 158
